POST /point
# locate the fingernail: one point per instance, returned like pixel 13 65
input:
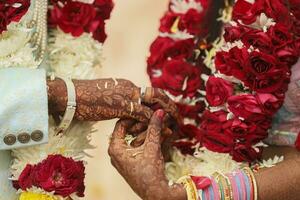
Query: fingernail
pixel 160 114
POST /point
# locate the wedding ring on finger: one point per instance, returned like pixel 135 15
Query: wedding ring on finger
pixel 116 82
pixel 131 108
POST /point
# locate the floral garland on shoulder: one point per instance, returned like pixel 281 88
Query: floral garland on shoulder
pixel 249 72
pixel 76 33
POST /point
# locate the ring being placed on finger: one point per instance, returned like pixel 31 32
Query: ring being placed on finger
pixel 131 108
pixel 143 92
pixel 116 82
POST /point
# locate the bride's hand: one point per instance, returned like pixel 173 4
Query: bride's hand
pixel 143 166
pixel 104 99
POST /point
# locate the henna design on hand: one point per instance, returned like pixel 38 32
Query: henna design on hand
pixel 104 99
pixel 143 166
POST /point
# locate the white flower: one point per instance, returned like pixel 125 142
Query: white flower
pixel 203 163
pixel 182 6
pixel 76 57
pixel 72 144
pixel 178 35
pixel 15 49
pixel 85 1
pixel 271 162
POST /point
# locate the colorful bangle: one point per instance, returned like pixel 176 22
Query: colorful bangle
pixel 216 189
pixel 235 190
pixel 254 184
pixel 190 187
pixel 225 186
pixel 247 185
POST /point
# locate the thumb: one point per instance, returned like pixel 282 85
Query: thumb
pixel 155 127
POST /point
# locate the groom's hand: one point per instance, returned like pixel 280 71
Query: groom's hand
pixel 143 167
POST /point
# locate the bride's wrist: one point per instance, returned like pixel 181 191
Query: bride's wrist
pixel 57 96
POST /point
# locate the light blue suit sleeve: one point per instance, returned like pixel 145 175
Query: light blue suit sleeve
pixel 23 108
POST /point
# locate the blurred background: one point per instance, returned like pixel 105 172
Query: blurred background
pixel 131 29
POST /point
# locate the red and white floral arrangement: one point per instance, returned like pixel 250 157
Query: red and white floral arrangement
pixel 227 114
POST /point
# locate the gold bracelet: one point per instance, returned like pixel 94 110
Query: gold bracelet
pixel 252 177
pixel 190 187
pixel 226 186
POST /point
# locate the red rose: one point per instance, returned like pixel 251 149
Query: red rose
pixel 61 175
pixel 218 90
pixel 280 34
pixel 239 129
pixel 269 103
pixel 243 152
pixel 232 63
pixel 213 121
pixel 248 12
pixel 75 17
pixel 295 5
pixel 104 8
pixel 192 112
pixel 245 106
pixel 276 9
pixel 218 142
pixel 163 48
pixel 258 39
pixel 265 74
pixel 167 22
pixel 233 33
pixel 9 12
pixel 99 32
pixel 288 53
pixel 25 179
pixel 191 132
pixel 57 174
pixel 245 11
pixel 181 78
pixel 185 146
pixel 15 13
pixel 191 22
pixel 3 22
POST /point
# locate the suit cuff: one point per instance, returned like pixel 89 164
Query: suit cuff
pixel 23 108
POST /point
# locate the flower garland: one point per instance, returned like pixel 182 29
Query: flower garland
pixel 12 11
pixel 250 71
pixel 76 36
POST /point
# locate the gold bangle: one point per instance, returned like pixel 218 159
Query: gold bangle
pixel 190 187
pixel 251 174
pixel 226 185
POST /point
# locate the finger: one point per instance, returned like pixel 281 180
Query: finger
pixel 155 128
pixel 138 128
pixel 119 133
pixel 136 111
pixel 128 93
pixel 155 95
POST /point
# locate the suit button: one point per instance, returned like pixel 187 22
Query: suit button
pixel 37 135
pixel 10 139
pixel 24 138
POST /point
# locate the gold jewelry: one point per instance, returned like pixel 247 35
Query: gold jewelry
pixel 191 190
pixel 250 173
pixel 226 185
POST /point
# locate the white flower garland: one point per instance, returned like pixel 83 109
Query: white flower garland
pixel 78 57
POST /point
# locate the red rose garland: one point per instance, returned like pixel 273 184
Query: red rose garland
pixel 174 64
pixel 57 174
pixel 12 11
pixel 76 18
pixel 251 78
